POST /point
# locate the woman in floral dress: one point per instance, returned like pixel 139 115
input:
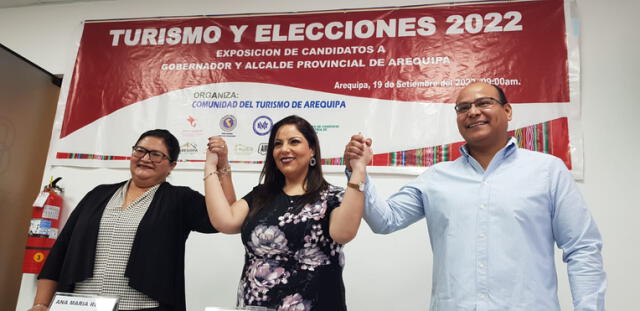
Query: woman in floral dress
pixel 293 224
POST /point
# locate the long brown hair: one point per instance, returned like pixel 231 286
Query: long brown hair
pixel 272 180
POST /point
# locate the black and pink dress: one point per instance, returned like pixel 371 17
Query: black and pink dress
pixel 291 262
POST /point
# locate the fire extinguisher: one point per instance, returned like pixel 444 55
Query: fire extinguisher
pixel 45 224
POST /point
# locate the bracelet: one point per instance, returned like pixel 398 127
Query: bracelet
pixel 222 172
pixel 207 176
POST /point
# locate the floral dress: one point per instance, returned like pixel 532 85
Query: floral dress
pixel 291 262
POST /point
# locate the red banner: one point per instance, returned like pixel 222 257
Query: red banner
pixel 252 69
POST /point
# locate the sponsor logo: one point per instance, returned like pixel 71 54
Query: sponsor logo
pixel 228 123
pixel 192 121
pixel 192 131
pixel 243 149
pixel 262 125
pixel 262 148
pixel 189 147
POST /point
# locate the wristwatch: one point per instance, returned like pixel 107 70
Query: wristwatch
pixel 359 187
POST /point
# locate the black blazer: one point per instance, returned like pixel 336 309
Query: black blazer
pixel 156 263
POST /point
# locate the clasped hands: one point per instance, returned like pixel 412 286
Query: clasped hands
pixel 217 153
pixel 357 152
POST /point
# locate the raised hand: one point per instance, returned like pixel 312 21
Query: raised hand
pixel 357 148
pixel 217 152
pixel 360 162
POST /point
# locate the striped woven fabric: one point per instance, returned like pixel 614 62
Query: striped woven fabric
pixel 550 137
pixel 88 156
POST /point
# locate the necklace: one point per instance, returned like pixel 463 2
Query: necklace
pixel 292 200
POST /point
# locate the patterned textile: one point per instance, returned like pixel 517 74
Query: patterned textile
pixel 118 228
pixel 291 262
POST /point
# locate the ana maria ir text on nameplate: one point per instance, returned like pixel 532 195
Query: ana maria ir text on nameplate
pixel 78 302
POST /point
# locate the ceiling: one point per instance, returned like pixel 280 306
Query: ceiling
pixel 22 3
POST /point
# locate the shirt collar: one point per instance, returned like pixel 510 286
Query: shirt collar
pixel 123 193
pixel 507 150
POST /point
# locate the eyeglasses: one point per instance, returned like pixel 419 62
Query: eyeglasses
pixel 483 103
pixel 154 155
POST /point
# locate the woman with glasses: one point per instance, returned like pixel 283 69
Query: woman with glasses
pixel 128 239
pixel 293 225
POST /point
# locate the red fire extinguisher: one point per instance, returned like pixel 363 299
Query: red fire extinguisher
pixel 45 224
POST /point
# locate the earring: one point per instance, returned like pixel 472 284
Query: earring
pixel 312 161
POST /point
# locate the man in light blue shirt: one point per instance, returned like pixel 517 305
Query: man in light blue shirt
pixel 493 216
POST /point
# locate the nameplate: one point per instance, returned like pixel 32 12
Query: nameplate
pixel 78 302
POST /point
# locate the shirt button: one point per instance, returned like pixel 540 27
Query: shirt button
pixel 481 297
pixel 482 206
pixel 481 265
pixel 481 235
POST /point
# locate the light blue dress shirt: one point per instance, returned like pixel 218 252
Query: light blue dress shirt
pixel 492 232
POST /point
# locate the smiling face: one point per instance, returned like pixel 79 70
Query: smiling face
pixel 291 152
pixel 146 173
pixel 483 128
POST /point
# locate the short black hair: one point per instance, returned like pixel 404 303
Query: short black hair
pixel 501 97
pixel 170 141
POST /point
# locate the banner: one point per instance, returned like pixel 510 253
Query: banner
pixel 392 74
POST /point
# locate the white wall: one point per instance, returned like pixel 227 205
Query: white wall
pixel 387 272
